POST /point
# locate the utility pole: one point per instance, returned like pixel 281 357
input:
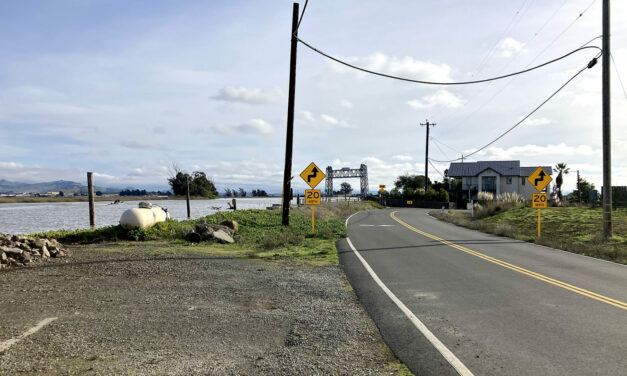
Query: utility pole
pixel 427 153
pixel 607 140
pixel 578 188
pixel 289 139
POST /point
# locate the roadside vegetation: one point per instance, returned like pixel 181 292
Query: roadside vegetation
pixel 260 235
pixel 576 229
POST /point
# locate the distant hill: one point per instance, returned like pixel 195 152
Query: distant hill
pixel 7 186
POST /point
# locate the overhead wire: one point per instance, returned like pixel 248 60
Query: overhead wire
pixel 443 83
pixel 301 15
pixel 436 169
pixel 439 148
pixel 535 58
pixel 590 65
pixel 618 75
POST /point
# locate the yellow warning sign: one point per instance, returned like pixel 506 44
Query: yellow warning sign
pixel 312 197
pixel 539 200
pixel 539 179
pixel 312 175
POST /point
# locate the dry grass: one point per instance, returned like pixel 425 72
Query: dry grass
pixel 336 210
pixel 573 229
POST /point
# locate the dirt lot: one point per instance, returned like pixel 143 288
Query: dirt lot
pixel 144 309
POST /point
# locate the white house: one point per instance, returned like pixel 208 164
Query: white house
pixel 496 177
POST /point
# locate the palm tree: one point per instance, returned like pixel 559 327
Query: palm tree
pixel 563 170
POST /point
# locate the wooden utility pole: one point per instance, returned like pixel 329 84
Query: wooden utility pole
pixel 578 188
pixel 90 193
pixel 289 139
pixel 607 139
pixel 427 124
pixel 187 199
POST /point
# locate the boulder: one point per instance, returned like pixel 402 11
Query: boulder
pixel 232 225
pixel 44 252
pixel 222 237
pixel 193 237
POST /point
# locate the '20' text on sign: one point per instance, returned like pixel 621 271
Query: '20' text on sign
pixel 312 197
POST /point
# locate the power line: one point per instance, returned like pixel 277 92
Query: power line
pixel 590 65
pixel 442 83
pixel 440 149
pixel 618 75
pixel 301 15
pixel 436 170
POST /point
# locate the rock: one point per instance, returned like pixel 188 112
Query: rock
pixel 204 230
pixel 44 252
pixel 3 257
pixel 222 237
pixel 193 237
pixel 233 225
pixel 145 205
pixel 38 243
pixel 12 252
pixel 60 254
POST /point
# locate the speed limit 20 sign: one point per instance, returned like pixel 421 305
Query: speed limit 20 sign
pixel 539 201
pixel 312 197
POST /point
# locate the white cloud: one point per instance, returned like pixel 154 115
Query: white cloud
pixel 401 157
pixel 509 47
pixel 538 121
pixel 547 152
pixel 307 116
pixel 329 119
pixel 346 103
pixel 441 98
pixel 253 126
pixel 407 67
pixel 143 145
pixel 250 96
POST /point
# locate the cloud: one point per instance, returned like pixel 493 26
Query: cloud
pixel 253 126
pixel 509 47
pixel 550 151
pixel 250 96
pixel 441 98
pixel 407 67
pixel 143 145
pixel 346 103
pixel 329 119
pixel 401 157
pixel 306 116
pixel 538 121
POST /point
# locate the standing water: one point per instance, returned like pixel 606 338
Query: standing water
pixel 28 218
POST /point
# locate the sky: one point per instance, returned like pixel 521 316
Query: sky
pixel 129 89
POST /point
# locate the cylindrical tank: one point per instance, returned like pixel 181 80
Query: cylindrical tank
pixel 143 218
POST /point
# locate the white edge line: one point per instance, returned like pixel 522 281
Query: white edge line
pixel 446 353
pixel 8 343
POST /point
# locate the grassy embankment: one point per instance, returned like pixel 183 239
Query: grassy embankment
pixel 261 234
pixel 573 229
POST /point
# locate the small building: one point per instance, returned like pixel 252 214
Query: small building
pixel 495 177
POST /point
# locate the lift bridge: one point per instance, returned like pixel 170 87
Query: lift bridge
pixel 347 173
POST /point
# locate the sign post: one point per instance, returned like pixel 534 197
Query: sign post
pixel 312 175
pixel 539 179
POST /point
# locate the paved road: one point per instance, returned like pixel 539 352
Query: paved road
pixel 499 306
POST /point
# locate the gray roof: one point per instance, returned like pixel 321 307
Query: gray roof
pixel 504 168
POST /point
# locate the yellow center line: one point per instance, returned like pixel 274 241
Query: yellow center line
pixel 541 277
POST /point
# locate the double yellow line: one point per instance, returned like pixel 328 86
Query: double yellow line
pixel 541 277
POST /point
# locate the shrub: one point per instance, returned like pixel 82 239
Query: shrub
pixel 510 197
pixel 485 197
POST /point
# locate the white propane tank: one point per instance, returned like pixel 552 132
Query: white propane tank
pixel 143 217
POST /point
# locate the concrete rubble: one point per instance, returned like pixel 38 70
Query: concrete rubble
pixel 18 250
pixel 222 233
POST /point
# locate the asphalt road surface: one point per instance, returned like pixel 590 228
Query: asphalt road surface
pixel 449 300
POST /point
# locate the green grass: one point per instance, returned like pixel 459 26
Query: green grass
pixel 574 229
pixel 261 235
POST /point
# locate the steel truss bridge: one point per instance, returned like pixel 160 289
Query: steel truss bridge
pixel 347 173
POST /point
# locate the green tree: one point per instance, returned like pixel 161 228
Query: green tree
pixel 562 170
pixel 346 188
pixel 585 187
pixel 410 181
pixel 242 192
pixel 199 184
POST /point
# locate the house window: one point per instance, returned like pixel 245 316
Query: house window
pixel 508 180
pixel 523 180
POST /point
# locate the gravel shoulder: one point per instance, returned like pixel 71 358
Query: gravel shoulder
pixel 150 309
